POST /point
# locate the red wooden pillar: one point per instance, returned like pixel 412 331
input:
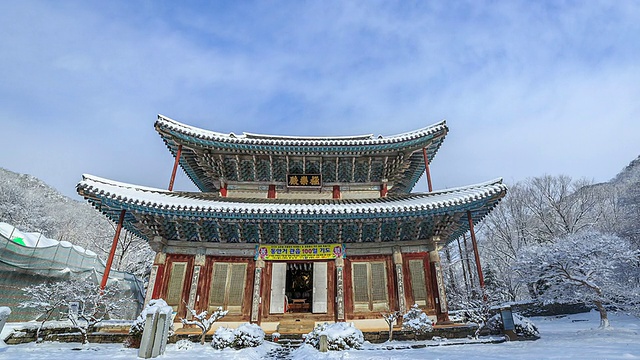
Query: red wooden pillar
pixel 475 250
pixel 159 281
pixel 223 190
pixel 175 167
pixel 271 194
pixel 383 190
pixel 336 191
pixel 426 168
pixel 112 253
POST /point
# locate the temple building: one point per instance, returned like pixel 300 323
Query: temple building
pixel 288 227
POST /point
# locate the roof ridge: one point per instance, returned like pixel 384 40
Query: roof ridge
pixel 267 138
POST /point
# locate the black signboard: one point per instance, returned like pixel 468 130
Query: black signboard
pixel 304 180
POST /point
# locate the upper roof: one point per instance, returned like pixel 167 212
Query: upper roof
pixel 210 158
pixel 188 215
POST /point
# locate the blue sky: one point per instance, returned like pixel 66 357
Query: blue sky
pixel 527 88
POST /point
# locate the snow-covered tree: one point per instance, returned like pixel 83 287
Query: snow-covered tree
pixel 535 211
pixel 204 322
pixel 475 307
pixel 47 298
pixel 390 318
pixel 95 304
pixel 587 267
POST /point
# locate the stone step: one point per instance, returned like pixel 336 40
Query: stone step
pixel 298 326
pixel 290 343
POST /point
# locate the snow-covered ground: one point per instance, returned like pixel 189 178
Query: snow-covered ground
pixel 569 337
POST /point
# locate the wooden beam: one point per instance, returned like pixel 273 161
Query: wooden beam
pixel 475 250
pixel 175 167
pixel 426 168
pixel 112 253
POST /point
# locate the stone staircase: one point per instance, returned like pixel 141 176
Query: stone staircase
pixel 283 352
pixel 290 343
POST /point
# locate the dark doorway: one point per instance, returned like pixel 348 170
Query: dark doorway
pixel 299 287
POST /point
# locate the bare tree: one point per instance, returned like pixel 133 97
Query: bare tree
pixel 390 318
pixel 46 298
pixel 95 304
pixel 203 322
pixel 561 206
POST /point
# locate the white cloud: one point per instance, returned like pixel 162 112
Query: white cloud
pixel 527 88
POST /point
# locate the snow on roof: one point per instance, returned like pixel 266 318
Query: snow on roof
pixel 93 186
pixel 258 139
pixel 35 239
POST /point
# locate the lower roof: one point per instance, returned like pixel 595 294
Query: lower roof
pixel 202 217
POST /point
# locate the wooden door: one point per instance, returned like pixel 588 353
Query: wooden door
pixel 278 282
pixel 319 288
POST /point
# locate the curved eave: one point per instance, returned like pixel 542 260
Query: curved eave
pixel 195 140
pixel 111 197
pixel 253 142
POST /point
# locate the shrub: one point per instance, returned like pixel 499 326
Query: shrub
pixel 246 335
pixel 523 326
pixel 222 338
pixel 417 321
pixel 340 336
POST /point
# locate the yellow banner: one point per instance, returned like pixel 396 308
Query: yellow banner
pixel 300 252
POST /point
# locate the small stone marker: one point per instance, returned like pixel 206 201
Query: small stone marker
pixel 156 332
pixel 4 315
pixel 74 308
pixel 324 346
pixel 508 324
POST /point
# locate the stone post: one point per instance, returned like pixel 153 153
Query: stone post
pixel 397 260
pixel 4 315
pixel 443 311
pixel 340 289
pixel 193 290
pixel 156 332
pixel 257 283
pixel 323 345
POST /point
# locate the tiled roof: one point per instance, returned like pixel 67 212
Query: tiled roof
pixel 165 123
pixel 204 217
pixel 145 197
pixel 211 158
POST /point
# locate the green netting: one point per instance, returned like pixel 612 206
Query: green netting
pixel 60 260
